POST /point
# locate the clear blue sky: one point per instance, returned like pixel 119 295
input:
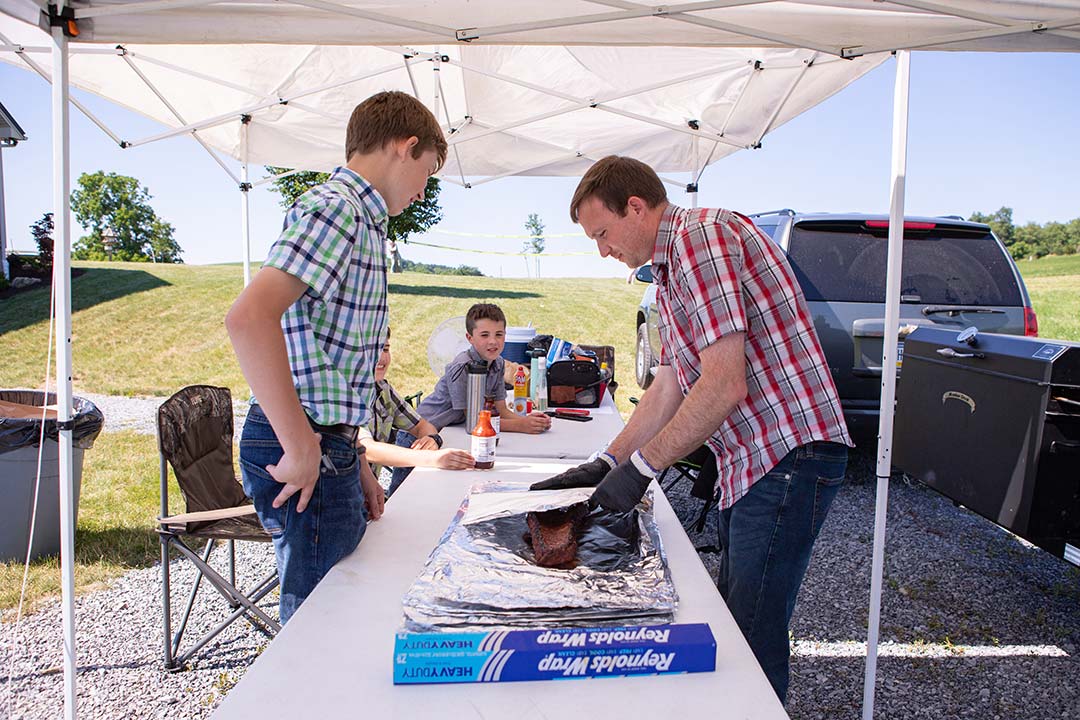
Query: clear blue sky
pixel 986 130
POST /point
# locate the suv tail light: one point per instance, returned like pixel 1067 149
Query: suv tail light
pixel 1031 322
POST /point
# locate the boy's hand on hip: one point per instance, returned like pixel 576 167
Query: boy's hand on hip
pixel 374 497
pixel 298 470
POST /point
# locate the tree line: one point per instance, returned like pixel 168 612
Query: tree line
pixel 1032 240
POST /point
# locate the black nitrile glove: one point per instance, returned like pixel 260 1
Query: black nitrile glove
pixel 622 488
pixel 587 475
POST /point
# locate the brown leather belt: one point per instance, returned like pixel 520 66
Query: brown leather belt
pixel 340 430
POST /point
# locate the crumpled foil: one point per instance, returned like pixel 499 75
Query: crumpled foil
pixel 482 574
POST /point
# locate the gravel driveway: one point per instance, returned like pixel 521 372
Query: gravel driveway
pixel 975 623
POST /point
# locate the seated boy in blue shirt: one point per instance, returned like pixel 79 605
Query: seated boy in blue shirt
pixel 485 329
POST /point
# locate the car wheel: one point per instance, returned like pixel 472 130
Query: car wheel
pixel 643 358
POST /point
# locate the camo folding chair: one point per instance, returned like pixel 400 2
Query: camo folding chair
pixel 195 431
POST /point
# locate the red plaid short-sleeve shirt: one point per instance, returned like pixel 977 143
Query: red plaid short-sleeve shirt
pixel 717 274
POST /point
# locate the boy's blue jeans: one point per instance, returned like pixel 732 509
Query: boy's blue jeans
pixel 306 544
pixel 398 474
pixel 765 543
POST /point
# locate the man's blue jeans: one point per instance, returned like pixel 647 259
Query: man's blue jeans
pixel 765 543
pixel 398 474
pixel 306 544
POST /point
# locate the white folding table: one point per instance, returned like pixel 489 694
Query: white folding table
pixel 567 439
pixel 334 658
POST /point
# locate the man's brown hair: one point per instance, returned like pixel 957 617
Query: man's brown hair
pixel 483 311
pixel 393 115
pixel 614 180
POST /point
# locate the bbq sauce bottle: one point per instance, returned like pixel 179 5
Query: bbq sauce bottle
pixel 491 407
pixel 483 442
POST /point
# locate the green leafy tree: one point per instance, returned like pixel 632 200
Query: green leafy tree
pixel 42 231
pixel 535 244
pixel 416 218
pixel 119 203
pixel 1000 222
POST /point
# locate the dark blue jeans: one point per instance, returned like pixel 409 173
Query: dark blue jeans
pixel 765 543
pixel 306 544
pixel 398 474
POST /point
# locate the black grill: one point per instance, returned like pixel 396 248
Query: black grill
pixel 993 422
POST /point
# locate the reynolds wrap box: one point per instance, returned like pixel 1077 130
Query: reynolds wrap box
pixel 507 655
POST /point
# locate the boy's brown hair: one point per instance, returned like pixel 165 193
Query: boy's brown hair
pixel 393 115
pixel 483 311
pixel 614 180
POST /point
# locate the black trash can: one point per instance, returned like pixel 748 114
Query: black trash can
pixel 20 437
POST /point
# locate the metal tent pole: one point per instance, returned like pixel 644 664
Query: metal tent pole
pixel 888 364
pixel 245 203
pixel 3 222
pixel 62 290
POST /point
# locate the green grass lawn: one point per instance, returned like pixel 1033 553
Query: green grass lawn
pixel 152 329
pixel 1050 266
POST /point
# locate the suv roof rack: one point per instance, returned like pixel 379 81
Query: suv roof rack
pixel 785 211
pixel 952 217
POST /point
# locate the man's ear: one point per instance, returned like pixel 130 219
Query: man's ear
pixel 636 205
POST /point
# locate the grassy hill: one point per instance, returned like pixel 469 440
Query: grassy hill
pixel 143 329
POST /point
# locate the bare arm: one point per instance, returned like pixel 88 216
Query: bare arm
pixel 421 431
pixel 254 326
pixel 656 407
pixel 395 456
pixel 720 388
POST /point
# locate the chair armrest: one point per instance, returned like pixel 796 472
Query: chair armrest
pixel 206 515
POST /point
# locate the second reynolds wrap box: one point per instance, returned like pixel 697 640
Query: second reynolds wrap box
pixel 507 655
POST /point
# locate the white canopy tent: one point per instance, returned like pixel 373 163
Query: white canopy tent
pixel 275 54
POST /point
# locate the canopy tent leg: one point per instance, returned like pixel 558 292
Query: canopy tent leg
pixel 3 223
pixel 245 199
pixel 888 379
pixel 62 309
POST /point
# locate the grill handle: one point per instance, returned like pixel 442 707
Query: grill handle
pixel 950 353
pixel 1061 447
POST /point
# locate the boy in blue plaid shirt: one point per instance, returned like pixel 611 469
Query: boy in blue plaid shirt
pixel 307 332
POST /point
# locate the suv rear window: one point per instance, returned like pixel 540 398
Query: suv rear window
pixel 845 262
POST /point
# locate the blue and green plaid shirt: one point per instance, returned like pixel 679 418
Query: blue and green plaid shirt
pixel 334 239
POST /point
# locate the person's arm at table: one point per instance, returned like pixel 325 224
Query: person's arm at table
pixel 425 433
pixel 657 406
pixel 721 386
pixel 509 421
pixel 392 455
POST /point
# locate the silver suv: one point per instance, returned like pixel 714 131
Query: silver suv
pixel 956 274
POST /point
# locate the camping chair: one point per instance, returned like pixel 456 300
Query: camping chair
pixel 195 430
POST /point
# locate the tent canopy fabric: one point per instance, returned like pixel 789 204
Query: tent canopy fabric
pixel 522 88
pixel 831 26
pixel 507 110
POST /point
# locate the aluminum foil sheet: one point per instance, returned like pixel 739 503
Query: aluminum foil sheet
pixel 482 574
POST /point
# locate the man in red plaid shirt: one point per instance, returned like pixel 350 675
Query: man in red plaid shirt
pixel 742 371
